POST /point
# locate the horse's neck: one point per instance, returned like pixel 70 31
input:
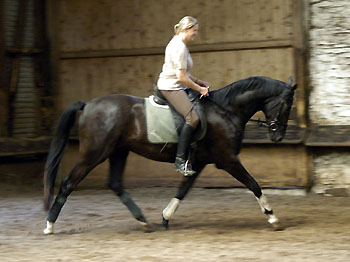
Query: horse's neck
pixel 246 104
pixel 244 98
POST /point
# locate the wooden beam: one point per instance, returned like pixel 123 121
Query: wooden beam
pixel 160 50
pixel 52 12
pixel 3 84
pixel 335 135
pixel 246 45
pixel 300 63
pixel 254 134
pixel 15 147
pixel 23 51
pixel 40 67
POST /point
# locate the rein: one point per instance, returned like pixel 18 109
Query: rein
pixel 273 125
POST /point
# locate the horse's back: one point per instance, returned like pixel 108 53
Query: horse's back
pixel 115 100
pixel 103 114
pixel 111 105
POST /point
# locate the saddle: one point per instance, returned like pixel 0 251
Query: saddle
pixel 157 102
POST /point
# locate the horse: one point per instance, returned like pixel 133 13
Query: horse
pixel 112 126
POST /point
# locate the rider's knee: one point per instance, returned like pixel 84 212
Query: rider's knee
pixel 192 120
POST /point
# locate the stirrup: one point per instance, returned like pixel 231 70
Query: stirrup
pixel 184 167
pixel 188 169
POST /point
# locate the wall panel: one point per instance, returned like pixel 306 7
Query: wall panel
pixel 107 47
pixel 125 24
pixel 84 79
pixel 270 166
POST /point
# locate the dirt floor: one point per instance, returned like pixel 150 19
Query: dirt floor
pixel 210 225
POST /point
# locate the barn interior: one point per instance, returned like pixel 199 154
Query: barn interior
pixel 54 53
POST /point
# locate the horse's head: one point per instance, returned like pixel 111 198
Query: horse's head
pixel 277 111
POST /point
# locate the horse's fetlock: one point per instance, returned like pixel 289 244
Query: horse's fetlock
pixel 117 188
pixel 268 212
pixel 141 219
pixel 124 197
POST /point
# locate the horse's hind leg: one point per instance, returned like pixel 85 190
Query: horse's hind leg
pixel 237 170
pixel 117 165
pixel 78 173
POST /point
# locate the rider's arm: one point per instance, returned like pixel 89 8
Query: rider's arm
pixel 198 81
pixel 187 81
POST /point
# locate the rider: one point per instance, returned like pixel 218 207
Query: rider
pixel 174 78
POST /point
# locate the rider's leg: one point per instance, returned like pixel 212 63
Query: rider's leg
pixel 181 161
pixel 180 101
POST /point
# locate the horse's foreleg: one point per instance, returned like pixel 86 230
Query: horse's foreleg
pixel 117 165
pixel 241 174
pixel 174 203
pixel 267 210
pixel 67 186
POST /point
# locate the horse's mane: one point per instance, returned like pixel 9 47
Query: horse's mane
pixel 226 95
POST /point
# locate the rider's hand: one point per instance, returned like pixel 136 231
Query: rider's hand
pixel 204 91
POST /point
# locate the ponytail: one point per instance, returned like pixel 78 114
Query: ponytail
pixel 176 29
pixel 185 23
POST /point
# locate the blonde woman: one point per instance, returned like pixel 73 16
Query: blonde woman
pixel 174 79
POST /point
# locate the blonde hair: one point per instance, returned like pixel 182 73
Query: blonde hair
pixel 185 23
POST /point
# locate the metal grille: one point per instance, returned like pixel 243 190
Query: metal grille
pixel 10 17
pixel 25 101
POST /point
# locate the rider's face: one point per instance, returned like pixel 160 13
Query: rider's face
pixel 190 34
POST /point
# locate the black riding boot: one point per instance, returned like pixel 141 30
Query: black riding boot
pixel 182 165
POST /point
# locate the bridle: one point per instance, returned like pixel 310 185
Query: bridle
pixel 274 124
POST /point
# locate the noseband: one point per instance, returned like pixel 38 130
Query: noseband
pixel 274 124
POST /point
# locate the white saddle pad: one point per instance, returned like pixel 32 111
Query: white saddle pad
pixel 160 123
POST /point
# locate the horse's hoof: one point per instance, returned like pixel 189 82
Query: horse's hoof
pixel 275 223
pixel 277 226
pixel 49 228
pixel 146 227
pixel 47 232
pixel 165 223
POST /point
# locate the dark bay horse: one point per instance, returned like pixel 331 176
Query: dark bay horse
pixel 112 126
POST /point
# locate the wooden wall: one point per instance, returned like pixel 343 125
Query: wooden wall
pixel 87 78
pixel 130 24
pixel 286 165
pixel 108 46
pixel 3 91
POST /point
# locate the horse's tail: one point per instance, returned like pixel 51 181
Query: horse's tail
pixel 58 144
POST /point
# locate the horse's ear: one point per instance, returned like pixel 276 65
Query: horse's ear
pixel 294 87
pixel 290 80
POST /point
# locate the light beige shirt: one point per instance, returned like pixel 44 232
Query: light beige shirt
pixel 177 56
